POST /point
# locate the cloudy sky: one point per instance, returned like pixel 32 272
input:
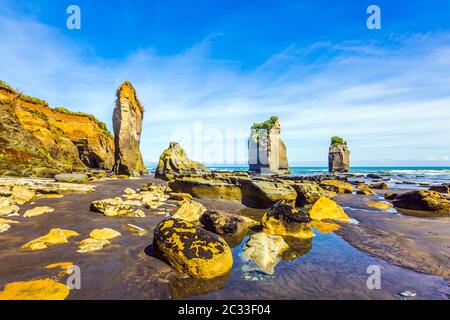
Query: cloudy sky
pixel 205 70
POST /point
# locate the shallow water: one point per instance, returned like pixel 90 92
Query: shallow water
pixel 327 267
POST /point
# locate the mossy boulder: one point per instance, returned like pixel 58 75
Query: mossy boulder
pixel 283 219
pixel 308 192
pixel 192 250
pixel 423 200
pixel 337 186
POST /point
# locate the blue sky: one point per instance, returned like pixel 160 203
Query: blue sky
pixel 206 70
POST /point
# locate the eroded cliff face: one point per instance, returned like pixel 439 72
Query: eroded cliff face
pixel 127 123
pixel 267 151
pixel 338 158
pixel 36 140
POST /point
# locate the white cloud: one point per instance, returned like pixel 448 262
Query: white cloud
pixel 388 103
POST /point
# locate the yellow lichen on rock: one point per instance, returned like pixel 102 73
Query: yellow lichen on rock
pixel 326 208
pixel 325 227
pixel 192 250
pixel 383 205
pixel 337 186
pixel 104 234
pixel 42 289
pixel 55 236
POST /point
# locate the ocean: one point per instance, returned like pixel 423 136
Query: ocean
pixel 406 177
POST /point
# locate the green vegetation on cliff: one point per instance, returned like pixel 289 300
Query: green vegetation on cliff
pixel 266 124
pixel 337 140
pixel 100 124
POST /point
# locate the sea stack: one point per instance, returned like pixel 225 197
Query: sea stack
pixel 127 124
pixel 338 155
pixel 267 151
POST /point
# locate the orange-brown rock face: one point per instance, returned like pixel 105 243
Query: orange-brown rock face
pixel 38 140
pixel 127 123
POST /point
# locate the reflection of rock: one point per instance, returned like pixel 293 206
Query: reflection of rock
pixel 325 227
pixel 267 151
pixel 174 161
pixel 186 288
pixel 380 205
pixel 283 219
pixel 190 211
pixel 55 236
pixel 265 251
pixel 192 250
pixel 325 208
pixel 297 248
pixel 42 289
pixel 338 157
pixel 337 186
pixel 308 192
pixel 127 123
pixel 423 201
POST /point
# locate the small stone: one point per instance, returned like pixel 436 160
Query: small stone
pixel 4 227
pixel 42 289
pixel 407 294
pixel 104 234
pixel 55 236
pixel 380 205
pixel 129 191
pixel 22 195
pixel 135 229
pixel 90 245
pixel 37 211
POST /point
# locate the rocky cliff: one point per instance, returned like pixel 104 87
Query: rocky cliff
pixel 338 156
pixel 267 152
pixel 127 123
pixel 174 161
pixel 37 140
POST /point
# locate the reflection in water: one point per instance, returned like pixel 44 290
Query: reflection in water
pixel 325 227
pixel 297 248
pixel 183 288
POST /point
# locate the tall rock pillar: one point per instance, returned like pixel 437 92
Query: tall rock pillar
pixel 127 123
pixel 267 151
pixel 338 156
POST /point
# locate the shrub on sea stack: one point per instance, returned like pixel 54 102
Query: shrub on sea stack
pixel 192 250
pixel 284 220
pixel 325 208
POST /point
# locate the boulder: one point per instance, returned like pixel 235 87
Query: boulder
pixel 114 207
pixel 325 208
pixel 192 250
pixel 283 219
pixel 224 223
pixel 265 251
pixel 366 192
pixel 381 205
pixel 37 211
pixel 72 178
pixel 308 192
pixel 445 188
pixel 337 186
pixel 265 193
pixel 379 186
pixel 174 161
pixel 22 195
pixel 190 211
pixel 338 156
pixel 390 196
pixel 423 200
pixel 266 150
pixel 127 123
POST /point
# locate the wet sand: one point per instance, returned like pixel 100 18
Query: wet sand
pixel 326 267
